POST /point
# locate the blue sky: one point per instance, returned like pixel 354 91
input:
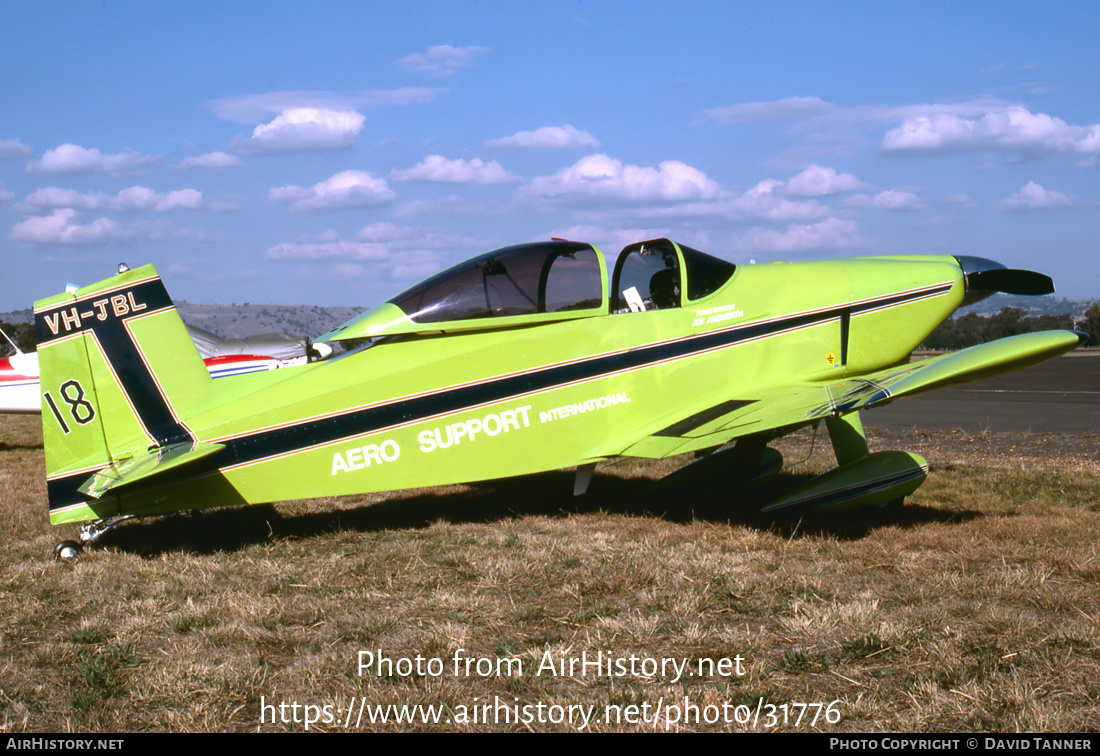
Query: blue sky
pixel 334 153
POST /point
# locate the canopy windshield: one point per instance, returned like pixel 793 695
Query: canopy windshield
pixel 525 279
pixel 651 274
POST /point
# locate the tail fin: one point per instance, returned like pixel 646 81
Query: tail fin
pixel 118 376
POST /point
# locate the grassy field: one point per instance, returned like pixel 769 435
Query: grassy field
pixel 975 607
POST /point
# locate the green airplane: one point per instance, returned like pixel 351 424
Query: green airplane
pixel 528 358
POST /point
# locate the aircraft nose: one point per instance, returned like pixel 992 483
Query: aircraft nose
pixel 985 277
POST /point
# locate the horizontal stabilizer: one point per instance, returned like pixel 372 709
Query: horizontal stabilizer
pixel 144 464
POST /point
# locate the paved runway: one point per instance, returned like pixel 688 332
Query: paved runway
pixel 1059 396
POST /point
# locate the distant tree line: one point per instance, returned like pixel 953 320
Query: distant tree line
pixel 1091 325
pixel 971 329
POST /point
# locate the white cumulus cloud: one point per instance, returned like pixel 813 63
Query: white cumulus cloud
pixel 13 148
pixel 250 108
pixel 1034 197
pixel 891 199
pixel 142 198
pixel 385 250
pixel 304 130
pixel 965 200
pixel 438 169
pixel 442 60
pixel 210 161
pixel 766 200
pixel 772 111
pixel 134 199
pixel 372 243
pixel 601 177
pixel 184 199
pixel 72 158
pixel 546 138
pixel 831 233
pixel 348 189
pixel 818 181
pixel 1012 128
pixel 55 196
pixel 62 228
pixel 338 249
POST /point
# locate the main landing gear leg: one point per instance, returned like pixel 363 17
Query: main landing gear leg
pixel 849 440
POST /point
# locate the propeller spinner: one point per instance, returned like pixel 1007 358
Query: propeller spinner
pixel 987 277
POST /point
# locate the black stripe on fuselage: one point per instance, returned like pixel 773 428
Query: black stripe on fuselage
pixel 277 441
pixel 273 442
pixel 883 303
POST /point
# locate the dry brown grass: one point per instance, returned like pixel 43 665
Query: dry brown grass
pixel 975 607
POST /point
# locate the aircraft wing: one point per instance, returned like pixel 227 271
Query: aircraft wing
pixel 791 406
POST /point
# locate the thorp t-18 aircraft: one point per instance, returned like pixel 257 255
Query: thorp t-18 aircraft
pixel 525 359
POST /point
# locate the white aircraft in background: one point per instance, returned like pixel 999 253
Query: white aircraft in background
pixel 19 382
pixel 19 391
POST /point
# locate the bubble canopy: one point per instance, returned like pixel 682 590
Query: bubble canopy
pixel 525 279
pixel 523 283
pixel 540 282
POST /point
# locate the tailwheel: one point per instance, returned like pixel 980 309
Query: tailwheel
pixel 68 551
pixel 90 532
